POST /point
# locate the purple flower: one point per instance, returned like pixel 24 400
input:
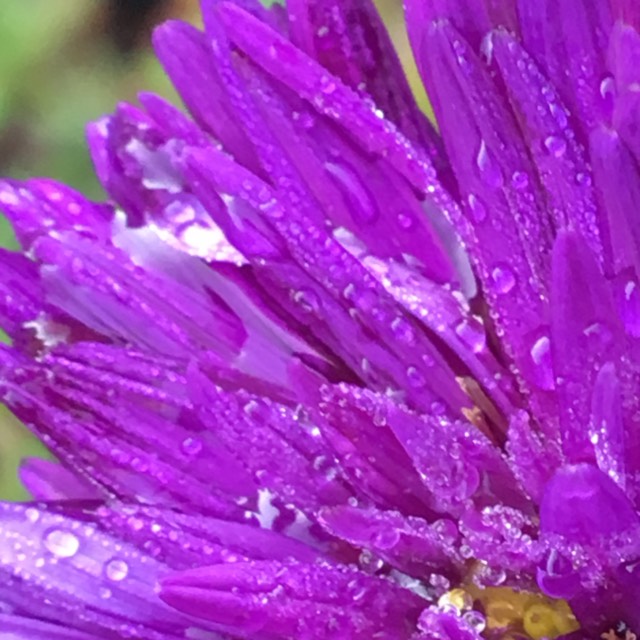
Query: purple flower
pixel 316 371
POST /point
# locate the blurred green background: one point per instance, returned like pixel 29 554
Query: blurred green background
pixel 62 64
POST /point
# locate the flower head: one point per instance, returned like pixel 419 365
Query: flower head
pixel 317 371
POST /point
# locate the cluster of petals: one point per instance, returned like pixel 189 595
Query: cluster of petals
pixel 314 365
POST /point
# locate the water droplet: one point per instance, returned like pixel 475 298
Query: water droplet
pixel 307 299
pixel 541 356
pixel 489 170
pixel 403 330
pixel 415 378
pixel 520 180
pixel 555 145
pixel 63 544
pixel 32 515
pixel 628 299
pixel 406 220
pixel 191 446
pixel 471 333
pixel 386 538
pixel 503 278
pixel 105 593
pixel 116 570
pixel 475 620
pixel 477 208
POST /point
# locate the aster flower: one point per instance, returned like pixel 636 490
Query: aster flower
pixel 317 371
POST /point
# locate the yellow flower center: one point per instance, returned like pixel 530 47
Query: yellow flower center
pixel 515 612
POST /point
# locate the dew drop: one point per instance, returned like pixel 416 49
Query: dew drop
pixel 489 170
pixel 472 334
pixel 503 278
pixel 415 378
pixel 116 570
pixel 191 446
pixel 403 330
pixel 307 299
pixel 477 208
pixel 541 357
pixel 475 620
pixel 386 538
pixel 556 146
pixel 406 220
pixel 520 180
pixel 63 544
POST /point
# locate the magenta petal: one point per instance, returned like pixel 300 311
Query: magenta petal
pixel 584 505
pixel 48 480
pixel 279 601
pixel 568 40
pixel 585 333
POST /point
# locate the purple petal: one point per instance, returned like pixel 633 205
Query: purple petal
pixel 584 505
pixel 585 333
pixel 409 544
pixel 278 601
pixel 568 40
pixel 48 480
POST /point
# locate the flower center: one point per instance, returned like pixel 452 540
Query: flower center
pixel 515 613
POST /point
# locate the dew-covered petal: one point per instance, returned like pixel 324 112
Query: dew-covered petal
pixel 409 544
pixel 607 431
pixel 67 571
pixel 504 539
pixel 186 56
pixel 559 158
pixel 456 463
pixel 585 333
pixel 616 179
pixel 507 231
pixel 39 206
pixel 49 480
pixel 533 456
pixel 584 505
pixel 278 601
pixel 187 540
pixel 569 41
pixel 350 40
pixel 17 627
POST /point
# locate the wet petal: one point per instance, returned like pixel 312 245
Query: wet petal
pixel 279 601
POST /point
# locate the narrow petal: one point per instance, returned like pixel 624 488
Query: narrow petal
pixel 585 333
pixel 568 40
pixel 48 480
pixel 279 601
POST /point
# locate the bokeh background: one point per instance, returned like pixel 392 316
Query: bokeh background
pixel 62 64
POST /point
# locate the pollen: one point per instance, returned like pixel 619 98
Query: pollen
pixel 516 612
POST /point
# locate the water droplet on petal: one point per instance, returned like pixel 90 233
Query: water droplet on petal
pixel 386 538
pixel 116 570
pixel 403 330
pixel 415 378
pixel 520 180
pixel 489 170
pixel 191 446
pixel 555 145
pixel 477 208
pixel 63 544
pixel 541 357
pixel 406 220
pixel 503 278
pixel 472 334
pixel 308 300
